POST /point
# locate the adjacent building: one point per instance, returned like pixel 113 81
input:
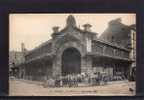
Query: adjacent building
pixel 16 58
pixel 122 35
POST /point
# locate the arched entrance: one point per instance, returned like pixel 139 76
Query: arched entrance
pixel 71 61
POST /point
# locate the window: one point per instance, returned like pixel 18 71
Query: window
pixel 97 48
pixel 109 51
pixel 112 39
pixel 117 52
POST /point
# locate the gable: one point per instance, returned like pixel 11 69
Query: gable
pixel 68 37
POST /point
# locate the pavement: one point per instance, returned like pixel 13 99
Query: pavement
pixel 31 88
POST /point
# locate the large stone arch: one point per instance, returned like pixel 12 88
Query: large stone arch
pixel 57 61
pixel 71 61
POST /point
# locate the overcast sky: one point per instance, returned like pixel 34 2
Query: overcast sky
pixel 34 29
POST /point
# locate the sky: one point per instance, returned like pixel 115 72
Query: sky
pixel 34 29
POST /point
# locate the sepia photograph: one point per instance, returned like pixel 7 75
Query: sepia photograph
pixel 72 54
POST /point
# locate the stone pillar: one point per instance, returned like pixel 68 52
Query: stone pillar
pixel 86 64
pixel 89 64
pixel 83 65
pixel 56 66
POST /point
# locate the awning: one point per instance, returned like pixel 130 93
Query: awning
pixel 48 56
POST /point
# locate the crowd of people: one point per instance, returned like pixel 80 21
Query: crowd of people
pixel 74 80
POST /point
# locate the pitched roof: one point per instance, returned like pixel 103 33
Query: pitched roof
pixel 41 45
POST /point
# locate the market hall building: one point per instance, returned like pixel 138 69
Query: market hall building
pixel 73 51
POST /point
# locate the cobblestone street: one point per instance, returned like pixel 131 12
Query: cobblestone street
pixel 29 88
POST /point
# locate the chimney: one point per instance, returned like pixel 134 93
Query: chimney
pixel 23 49
pixel 56 29
pixel 115 21
pixel 87 27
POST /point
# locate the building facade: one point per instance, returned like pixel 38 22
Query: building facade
pixel 73 51
pixel 125 36
pixel 15 60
